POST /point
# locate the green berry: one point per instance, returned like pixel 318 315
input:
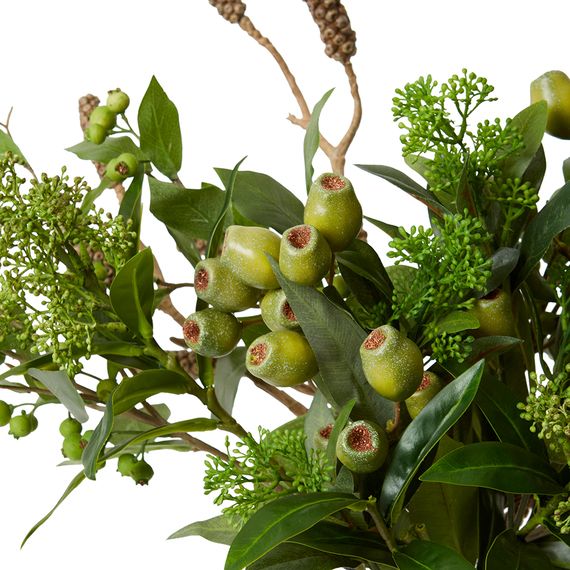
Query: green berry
pixel 333 208
pixel 125 464
pixel 5 413
pixel 495 315
pixel 321 438
pixel 212 333
pixel 127 165
pixel 103 116
pixel 22 425
pixel 305 256
pixel 429 387
pixel 362 447
pixel 72 447
pixel 141 472
pixel 277 313
pixel 69 426
pixel 244 252
pixel 117 101
pixel 104 389
pixel 392 363
pixel 554 88
pixel 282 359
pixel 218 286
pixel 96 133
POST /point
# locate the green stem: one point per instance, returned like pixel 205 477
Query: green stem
pixel 542 513
pixel 385 533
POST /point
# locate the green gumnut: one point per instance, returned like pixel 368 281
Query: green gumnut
pixel 117 101
pixel 141 472
pixel 333 208
pixel 392 363
pixel 429 387
pixel 554 88
pixel 212 333
pixel 96 133
pixel 321 438
pixel 104 389
pixel 5 413
pixel 113 171
pixel 72 447
pixel 127 164
pixel 103 116
pixel 125 464
pixel 495 315
pixel 362 447
pixel 244 251
pixel 277 313
pixel 69 426
pixel 282 359
pixel 305 256
pixel 21 426
pixel 218 286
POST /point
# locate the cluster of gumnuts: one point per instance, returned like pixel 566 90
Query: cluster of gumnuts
pixel 19 425
pixel 138 469
pixel 74 442
pixel 101 122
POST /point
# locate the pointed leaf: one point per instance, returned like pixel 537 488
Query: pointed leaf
pixel 229 370
pixel 131 209
pixel 335 432
pixel 457 321
pixel 513 553
pixel 427 555
pixel 111 148
pixel 217 529
pixel 318 417
pixel 389 229
pixel 423 434
pixel 7 144
pixel 504 260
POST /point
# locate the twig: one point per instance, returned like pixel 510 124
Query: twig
pixel 295 407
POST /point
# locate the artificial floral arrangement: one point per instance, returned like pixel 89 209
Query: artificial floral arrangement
pixel 433 440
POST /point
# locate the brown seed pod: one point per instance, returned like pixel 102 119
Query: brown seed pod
pixel 230 10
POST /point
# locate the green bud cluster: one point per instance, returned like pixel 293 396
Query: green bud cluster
pixel 562 521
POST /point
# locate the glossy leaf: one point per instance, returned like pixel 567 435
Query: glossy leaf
pixel 335 339
pixel 389 229
pixel 264 201
pixel 557 552
pixel 312 139
pixel 457 321
pixel 111 148
pixel 513 553
pixel 504 261
pixel 229 370
pixel 132 293
pixel 427 555
pixel 496 465
pixel 405 183
pixel 279 521
pixel 59 384
pixel 422 435
pixel 159 129
pixel 217 529
pixel 499 405
pixel 193 213
pixel 131 209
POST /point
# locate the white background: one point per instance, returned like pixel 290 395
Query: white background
pixel 233 101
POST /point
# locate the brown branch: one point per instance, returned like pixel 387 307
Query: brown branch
pixel 292 405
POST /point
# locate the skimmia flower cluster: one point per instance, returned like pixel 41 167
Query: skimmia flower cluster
pixel 48 289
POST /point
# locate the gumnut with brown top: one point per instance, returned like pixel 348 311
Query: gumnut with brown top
pixel 73 446
pixel 218 286
pixel 243 253
pixel 282 359
pixel 305 256
pixel 277 313
pixel 117 101
pixel 321 438
pixel 212 333
pixel 362 447
pixel 392 363
pixel 429 387
pixel 495 315
pixel 141 472
pixel 333 208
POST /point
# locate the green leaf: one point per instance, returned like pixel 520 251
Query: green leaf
pixel 279 521
pixel 457 321
pixel 335 432
pixel 422 435
pixel 389 229
pixel 111 148
pixel 76 481
pixel 229 370
pixel 312 138
pixel 217 529
pixel 264 201
pixel 448 511
pixel 557 552
pixel 427 555
pixel 335 339
pixel 318 417
pixel 131 208
pixel 249 334
pixel 499 405
pixel 504 260
pixel 496 465
pixel 132 293
pixel 408 185
pixel 8 145
pixel 193 213
pixel 550 221
pixel 59 384
pixel 159 128
pixel 513 553
pixel 123 426
pixel 93 194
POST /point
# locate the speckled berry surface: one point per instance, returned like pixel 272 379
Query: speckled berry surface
pixel 429 387
pixel 362 447
pixel 495 315
pixel 277 313
pixel 212 333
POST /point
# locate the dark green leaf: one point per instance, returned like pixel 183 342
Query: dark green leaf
pixel 499 405
pixel 504 261
pixel 408 185
pixel 218 529
pixel 111 148
pixel 132 293
pixel 193 213
pixel 123 426
pixel 423 434
pixel 59 384
pixel 159 128
pixel 491 520
pixel 513 553
pixel 389 229
pixel 229 370
pixel 496 465
pixel 312 139
pixel 427 555
pixel 279 521
pixel 131 209
pixel 250 333
pixel 264 201
pixel 457 321
pixel 186 245
pixel 335 339
pixel 557 552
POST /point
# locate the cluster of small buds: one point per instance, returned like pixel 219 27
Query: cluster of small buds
pixel 515 192
pixel 562 522
pixel 450 346
pixel 230 10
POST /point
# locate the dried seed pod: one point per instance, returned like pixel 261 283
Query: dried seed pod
pixel 230 10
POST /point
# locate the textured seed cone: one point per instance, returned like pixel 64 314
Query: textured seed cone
pixel 336 33
pixel 230 10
